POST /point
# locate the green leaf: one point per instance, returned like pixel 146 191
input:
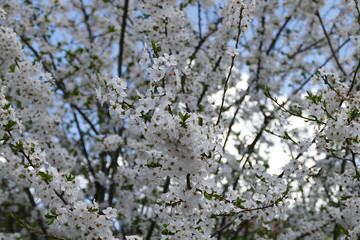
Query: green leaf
pixel 5 138
pixel 7 106
pixel 51 217
pixel 267 91
pixel 201 121
pixel 156 48
pixel 167 232
pixel 17 147
pixel 9 125
pixel 207 155
pixel 340 230
pixel 239 202
pixel 153 44
pixel 45 176
pixel 314 98
pixel 183 119
pixel 345 197
pixel 92 209
pixel 207 196
pixel 111 29
pixel 318 173
pixel 69 177
pixel 12 68
pixel 354 113
pixel 153 165
pixel 169 109
pixel 50 221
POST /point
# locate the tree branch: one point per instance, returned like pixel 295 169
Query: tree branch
pixel 83 145
pixel 231 67
pixel 122 38
pixel 277 35
pixel 329 42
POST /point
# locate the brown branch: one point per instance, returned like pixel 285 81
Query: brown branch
pixel 85 118
pixel 188 182
pixel 206 86
pixel 61 196
pixel 86 20
pixel 313 231
pixel 300 49
pixel 225 226
pixel 27 226
pixel 267 53
pixel 354 162
pixel 329 42
pixel 58 82
pixel 151 229
pixel 230 127
pixel 326 61
pixel 202 41
pixel 199 17
pixel 83 145
pixel 202 95
pixel 354 78
pixel 122 37
pixel 21 150
pixel 277 35
pixel 33 204
pixel 258 68
pixel 231 67
pixel 153 222
pixel 232 122
pixel 247 210
pixel 358 10
pixel 267 121
pixel 225 89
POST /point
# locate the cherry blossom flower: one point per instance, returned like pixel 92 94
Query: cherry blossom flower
pixel 232 51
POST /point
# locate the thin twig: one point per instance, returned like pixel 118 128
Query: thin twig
pixel 83 145
pixel 225 226
pixel 27 226
pixel 85 118
pixel 354 79
pixel 329 42
pixel 153 222
pixel 354 162
pixel 122 38
pixel 202 41
pixel 231 67
pixel 277 35
pixel 358 10
pixel 311 75
pixel 86 20
pixel 33 204
pixel 199 17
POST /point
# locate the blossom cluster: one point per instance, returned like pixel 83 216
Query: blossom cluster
pixel 179 119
